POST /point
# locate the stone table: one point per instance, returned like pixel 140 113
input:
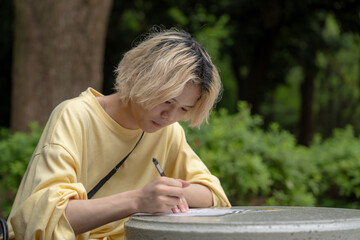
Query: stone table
pixel 251 223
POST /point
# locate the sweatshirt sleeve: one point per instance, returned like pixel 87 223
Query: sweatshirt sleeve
pixel 39 208
pixel 188 166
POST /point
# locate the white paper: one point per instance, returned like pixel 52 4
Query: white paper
pixel 197 212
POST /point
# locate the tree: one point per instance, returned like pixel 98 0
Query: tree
pixel 274 36
pixel 58 52
pixel 6 46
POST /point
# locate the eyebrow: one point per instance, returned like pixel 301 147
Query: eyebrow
pixel 175 100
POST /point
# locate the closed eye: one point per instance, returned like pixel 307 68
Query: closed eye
pixel 184 109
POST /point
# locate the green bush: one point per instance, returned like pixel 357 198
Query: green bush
pixel 338 160
pixel 258 167
pixel 16 150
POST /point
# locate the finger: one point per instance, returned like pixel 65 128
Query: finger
pixel 183 206
pixel 175 209
pixel 184 183
pixel 170 181
pixel 165 187
pixel 168 191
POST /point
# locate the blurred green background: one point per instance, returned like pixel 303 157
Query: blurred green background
pixel 286 131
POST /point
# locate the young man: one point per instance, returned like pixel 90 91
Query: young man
pixel 166 78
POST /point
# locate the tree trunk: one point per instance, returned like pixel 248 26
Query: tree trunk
pixel 253 89
pixel 58 53
pixel 306 124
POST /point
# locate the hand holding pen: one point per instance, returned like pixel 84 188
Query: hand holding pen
pixel 183 205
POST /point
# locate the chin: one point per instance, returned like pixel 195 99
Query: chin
pixel 150 129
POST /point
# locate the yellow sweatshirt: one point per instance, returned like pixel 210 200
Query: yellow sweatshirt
pixel 79 146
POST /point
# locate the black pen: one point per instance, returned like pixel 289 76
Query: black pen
pixel 158 167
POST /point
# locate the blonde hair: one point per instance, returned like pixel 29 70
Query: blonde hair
pixel 158 69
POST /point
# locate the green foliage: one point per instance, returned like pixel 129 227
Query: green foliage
pixel 258 167
pixel 284 109
pixel 16 150
pixel 336 86
pixel 338 158
pixel 337 91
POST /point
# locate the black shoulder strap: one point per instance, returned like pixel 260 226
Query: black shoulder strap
pixel 112 172
pixel 5 230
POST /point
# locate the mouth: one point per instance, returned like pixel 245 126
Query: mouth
pixel 156 124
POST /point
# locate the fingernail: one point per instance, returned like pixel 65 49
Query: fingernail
pixel 184 209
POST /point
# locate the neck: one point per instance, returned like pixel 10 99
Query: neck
pixel 118 111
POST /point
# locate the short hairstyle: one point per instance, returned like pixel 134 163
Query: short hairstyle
pixel 158 68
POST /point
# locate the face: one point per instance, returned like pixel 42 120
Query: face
pixel 166 113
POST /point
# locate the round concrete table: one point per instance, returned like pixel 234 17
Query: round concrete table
pixel 270 223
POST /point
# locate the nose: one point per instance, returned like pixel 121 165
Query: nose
pixel 168 114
